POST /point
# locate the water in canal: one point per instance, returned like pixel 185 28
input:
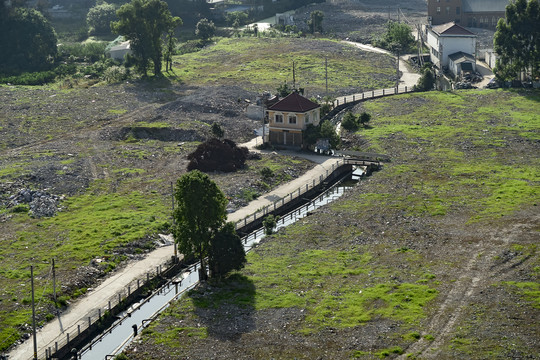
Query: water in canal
pixel 121 333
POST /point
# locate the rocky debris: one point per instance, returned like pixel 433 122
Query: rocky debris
pixel 165 240
pixel 83 277
pixel 41 203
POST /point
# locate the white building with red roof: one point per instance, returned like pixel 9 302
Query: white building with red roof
pixel 448 39
pixel 289 117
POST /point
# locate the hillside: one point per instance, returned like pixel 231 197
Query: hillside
pixel 436 256
pixel 102 158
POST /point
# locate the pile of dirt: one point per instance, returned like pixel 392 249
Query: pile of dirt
pixel 362 21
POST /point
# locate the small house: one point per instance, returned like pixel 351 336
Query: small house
pixel 289 117
pixel 461 63
pixel 120 51
pixel 447 39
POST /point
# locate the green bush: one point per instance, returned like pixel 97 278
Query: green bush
pixel 267 173
pixel 270 223
pixel 115 74
pixel 35 78
pixel 350 121
pixel 21 208
pixel 97 70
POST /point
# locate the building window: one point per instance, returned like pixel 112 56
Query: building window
pixel 292 119
pixel 458 10
pixel 278 118
pixel 438 9
pixel 494 21
pixel 448 10
pixel 307 118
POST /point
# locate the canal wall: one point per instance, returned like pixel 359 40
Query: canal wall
pixel 88 329
pixel 303 194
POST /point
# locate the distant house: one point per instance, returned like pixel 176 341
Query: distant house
pixel 289 117
pixel 119 52
pixel 470 13
pixel 448 39
pixel 284 19
pixel 490 58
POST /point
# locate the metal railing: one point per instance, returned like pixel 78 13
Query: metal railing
pixel 313 183
pixel 373 94
pixel 97 314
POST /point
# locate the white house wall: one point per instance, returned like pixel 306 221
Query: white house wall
pixel 433 42
pixel 449 46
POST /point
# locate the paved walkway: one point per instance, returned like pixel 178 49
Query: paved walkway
pixel 406 82
pixel 408 78
pixel 324 163
pixel 100 295
pixel 94 299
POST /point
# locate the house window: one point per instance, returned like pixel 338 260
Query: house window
pixel 448 10
pixel 438 9
pixel 494 21
pixel 458 10
pixel 307 118
pixel 278 118
pixel 292 119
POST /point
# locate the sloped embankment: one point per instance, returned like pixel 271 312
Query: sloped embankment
pixel 433 257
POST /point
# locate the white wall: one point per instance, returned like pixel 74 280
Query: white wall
pixel 449 46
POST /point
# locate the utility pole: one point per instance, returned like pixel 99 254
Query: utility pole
pixel 33 312
pixel 174 241
pixel 397 71
pixel 293 76
pixel 263 100
pixel 326 73
pixel 54 280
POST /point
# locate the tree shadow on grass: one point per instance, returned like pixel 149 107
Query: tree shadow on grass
pixel 226 307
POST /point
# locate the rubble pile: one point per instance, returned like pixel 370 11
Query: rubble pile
pixel 41 203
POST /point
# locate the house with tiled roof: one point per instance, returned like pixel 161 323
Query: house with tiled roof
pixel 447 39
pixel 289 117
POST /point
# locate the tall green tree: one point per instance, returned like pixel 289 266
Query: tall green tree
pixel 205 29
pixel 517 40
pixel 226 252
pixel 328 131
pixel 145 23
pixel 199 215
pixel 315 21
pixel 99 18
pixel 397 38
pixel 27 40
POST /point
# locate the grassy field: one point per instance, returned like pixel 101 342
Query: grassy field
pixel 261 64
pixel 435 256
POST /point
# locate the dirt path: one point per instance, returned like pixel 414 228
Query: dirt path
pixel 408 77
pixel 478 273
